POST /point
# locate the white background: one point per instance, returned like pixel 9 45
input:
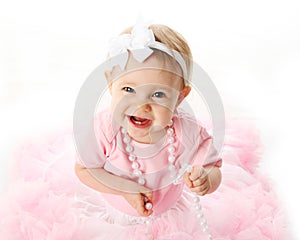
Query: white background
pixel 250 49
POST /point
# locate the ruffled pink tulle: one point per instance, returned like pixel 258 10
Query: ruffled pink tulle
pixel 46 200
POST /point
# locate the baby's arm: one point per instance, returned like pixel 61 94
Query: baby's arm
pixel 101 180
pixel 203 180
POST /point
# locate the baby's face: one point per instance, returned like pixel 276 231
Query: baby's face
pixel 143 102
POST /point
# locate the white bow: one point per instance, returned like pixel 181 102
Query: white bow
pixel 141 38
pixel 139 43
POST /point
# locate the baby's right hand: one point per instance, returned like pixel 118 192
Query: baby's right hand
pixel 137 200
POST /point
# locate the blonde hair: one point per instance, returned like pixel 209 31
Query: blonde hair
pixel 173 40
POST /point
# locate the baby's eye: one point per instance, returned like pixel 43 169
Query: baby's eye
pixel 159 94
pixel 128 89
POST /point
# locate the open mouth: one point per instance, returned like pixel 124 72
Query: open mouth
pixel 140 122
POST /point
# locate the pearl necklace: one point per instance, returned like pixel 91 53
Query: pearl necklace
pixel 176 177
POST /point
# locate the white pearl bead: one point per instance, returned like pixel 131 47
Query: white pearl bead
pixel 170 140
pixel 171 158
pixel 131 157
pixel 126 139
pixel 129 148
pixel 141 181
pixel 170 131
pixel 200 215
pixel 198 207
pixel 137 172
pixel 203 223
pixel 196 200
pixel 135 165
pixel 181 171
pixel 171 149
pixel 209 237
pixel 148 221
pixel 172 174
pixel 171 167
pixel 205 229
pixel 123 130
pixel 195 194
pixel 150 237
pixel 148 206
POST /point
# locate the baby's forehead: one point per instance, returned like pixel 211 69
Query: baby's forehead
pixel 161 62
pixel 157 60
pixel 150 77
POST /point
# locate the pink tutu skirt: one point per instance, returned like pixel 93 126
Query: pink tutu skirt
pixel 46 201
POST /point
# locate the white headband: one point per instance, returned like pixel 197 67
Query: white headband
pixel 140 43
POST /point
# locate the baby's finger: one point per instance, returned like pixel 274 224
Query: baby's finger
pixel 203 180
pixel 196 172
pixel 203 173
pixel 148 195
pixel 200 187
pixel 203 191
pixel 186 179
pixel 200 190
pixel 146 212
pixel 141 207
pixel 146 192
pixel 199 182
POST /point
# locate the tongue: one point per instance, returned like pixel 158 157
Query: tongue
pixel 139 119
pixel 140 122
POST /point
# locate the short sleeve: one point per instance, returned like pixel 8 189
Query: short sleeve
pixel 95 144
pixel 206 154
pixel 197 144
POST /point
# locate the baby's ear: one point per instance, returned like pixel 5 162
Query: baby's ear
pixel 108 79
pixel 183 94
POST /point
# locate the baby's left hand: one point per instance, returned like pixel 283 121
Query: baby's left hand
pixel 198 180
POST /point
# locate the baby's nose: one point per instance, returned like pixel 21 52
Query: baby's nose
pixel 146 107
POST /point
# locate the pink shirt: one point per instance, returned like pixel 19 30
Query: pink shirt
pixel 193 146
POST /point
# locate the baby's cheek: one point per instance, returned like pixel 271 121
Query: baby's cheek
pixel 164 115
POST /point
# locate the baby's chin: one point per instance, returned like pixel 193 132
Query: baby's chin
pixel 149 136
